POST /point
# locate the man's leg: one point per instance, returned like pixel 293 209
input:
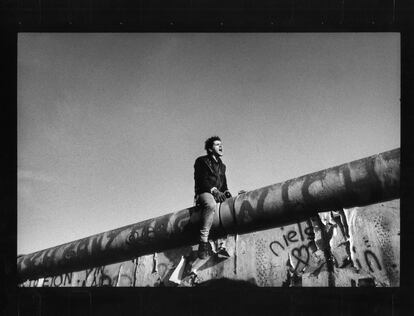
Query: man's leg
pixel 208 206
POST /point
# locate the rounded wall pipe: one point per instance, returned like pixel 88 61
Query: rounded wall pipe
pixel 121 244
pixel 361 182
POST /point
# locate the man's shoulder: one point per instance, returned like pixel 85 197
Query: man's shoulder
pixel 207 160
pixel 202 158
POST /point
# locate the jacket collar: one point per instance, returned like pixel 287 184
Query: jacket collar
pixel 208 160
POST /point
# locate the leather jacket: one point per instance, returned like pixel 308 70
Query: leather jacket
pixel 208 174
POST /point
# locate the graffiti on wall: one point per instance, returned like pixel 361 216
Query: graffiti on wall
pixel 295 241
pixel 350 247
pixel 374 241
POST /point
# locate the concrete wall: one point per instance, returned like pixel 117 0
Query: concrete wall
pixel 342 248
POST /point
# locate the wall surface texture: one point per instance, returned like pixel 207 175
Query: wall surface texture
pixel 341 248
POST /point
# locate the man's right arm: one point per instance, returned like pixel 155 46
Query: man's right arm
pixel 202 176
pixel 219 196
pixel 205 185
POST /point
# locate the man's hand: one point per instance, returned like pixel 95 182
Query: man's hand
pixel 219 196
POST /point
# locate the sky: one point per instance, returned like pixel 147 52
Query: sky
pixel 109 125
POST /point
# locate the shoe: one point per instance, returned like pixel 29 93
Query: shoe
pixel 203 250
pixel 222 253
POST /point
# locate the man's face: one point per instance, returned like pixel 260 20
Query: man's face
pixel 217 148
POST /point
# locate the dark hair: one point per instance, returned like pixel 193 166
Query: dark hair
pixel 210 141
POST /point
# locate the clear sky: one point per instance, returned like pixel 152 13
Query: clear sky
pixel 109 125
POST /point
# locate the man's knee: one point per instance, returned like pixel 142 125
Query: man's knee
pixel 210 206
pixel 206 201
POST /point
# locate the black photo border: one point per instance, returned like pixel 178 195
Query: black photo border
pixel 201 16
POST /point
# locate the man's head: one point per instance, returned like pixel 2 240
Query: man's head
pixel 213 146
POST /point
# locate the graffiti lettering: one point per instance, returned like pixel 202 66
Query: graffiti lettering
pixel 289 238
pixel 97 277
pixel 291 235
pixel 150 232
pixel 82 248
pixel 31 283
pixel 301 254
pixel 275 243
pixel 55 283
pixel 96 243
pixel 111 236
pixel 339 218
pixel 309 232
pixel 133 236
pixel 369 256
pixel 95 274
pixel 285 239
pixel 140 236
pixel 46 282
pixel 49 256
pixel 67 278
pixel 300 231
pixel 125 278
pixel 69 252
pixel 35 259
pixel 87 272
pixel 105 279
pixel 182 222
pixel 58 280
pixel 369 253
pixel 247 212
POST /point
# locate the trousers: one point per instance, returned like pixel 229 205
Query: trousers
pixel 207 204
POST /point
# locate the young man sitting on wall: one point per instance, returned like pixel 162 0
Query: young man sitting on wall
pixel 210 188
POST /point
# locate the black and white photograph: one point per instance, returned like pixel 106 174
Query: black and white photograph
pixel 206 157
pixel 198 159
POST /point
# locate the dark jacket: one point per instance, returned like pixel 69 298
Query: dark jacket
pixel 208 174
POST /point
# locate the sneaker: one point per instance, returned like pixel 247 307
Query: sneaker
pixel 203 250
